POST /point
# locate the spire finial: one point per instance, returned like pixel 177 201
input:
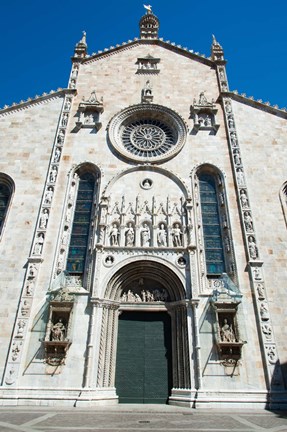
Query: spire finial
pixel 84 39
pixel 149 24
pixel 148 8
pixel 81 46
pixel 217 53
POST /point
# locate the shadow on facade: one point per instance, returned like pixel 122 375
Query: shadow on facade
pixel 277 402
pixel 36 350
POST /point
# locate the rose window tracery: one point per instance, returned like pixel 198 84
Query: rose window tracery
pixel 147 138
pixel 147 133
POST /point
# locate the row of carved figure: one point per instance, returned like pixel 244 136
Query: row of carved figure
pixel 145 235
pixel 52 177
pixel 145 296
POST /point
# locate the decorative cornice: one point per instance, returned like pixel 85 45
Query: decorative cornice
pixel 53 94
pixel 259 104
pixel 106 52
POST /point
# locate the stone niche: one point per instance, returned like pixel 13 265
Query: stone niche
pixel 58 331
pixel 227 334
pixel 203 114
pixel 89 113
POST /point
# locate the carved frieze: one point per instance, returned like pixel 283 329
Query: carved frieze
pixel 148 65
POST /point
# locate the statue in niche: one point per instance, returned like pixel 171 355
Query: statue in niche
pixel 25 308
pixel 146 184
pixel 65 119
pixel 237 158
pixel 243 199
pixel 58 331
pixel 89 119
pixel 240 177
pixel 231 123
pixel 72 84
pixel 48 196
pixel 67 106
pixel 252 248
pixel 176 235
pixel 207 121
pixel 221 74
pixel 44 219
pixel 32 270
pixel 130 235
pixel 233 138
pixel 147 88
pixel 53 174
pixel 145 235
pixel 257 274
pixel 39 244
pixel 248 222
pixel 228 107
pixel 161 236
pixel 260 291
pixel 114 235
pixel 61 136
pixel 226 332
pixel 57 155
pixel 30 287
pixel 21 326
pixel 109 260
pixel 266 329
pixel 264 311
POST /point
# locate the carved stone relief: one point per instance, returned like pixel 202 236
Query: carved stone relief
pixel 204 114
pixel 144 224
pixel 89 112
pixel 251 242
pixel 148 65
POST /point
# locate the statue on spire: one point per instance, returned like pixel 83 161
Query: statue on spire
pixel 148 8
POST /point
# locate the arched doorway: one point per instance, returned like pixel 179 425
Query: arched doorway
pixel 144 312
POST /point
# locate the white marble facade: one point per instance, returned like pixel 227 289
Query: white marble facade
pixel 146 135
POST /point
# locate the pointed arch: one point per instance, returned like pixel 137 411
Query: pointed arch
pixel 86 181
pixel 216 232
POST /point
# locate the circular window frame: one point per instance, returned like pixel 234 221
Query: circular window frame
pixel 147 113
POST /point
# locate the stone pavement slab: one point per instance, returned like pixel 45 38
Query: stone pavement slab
pixel 138 418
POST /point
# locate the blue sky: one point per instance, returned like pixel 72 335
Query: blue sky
pixel 38 38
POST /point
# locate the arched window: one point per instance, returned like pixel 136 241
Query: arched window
pixel 6 190
pixel 212 233
pixel 81 224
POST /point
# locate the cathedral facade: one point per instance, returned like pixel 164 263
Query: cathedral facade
pixel 143 235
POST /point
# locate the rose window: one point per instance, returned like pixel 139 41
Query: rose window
pixel 147 138
pixel 147 133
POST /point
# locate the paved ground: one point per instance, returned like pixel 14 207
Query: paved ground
pixel 138 418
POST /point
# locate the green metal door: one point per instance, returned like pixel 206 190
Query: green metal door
pixel 143 368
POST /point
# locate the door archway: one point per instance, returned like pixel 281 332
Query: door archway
pixel 150 288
